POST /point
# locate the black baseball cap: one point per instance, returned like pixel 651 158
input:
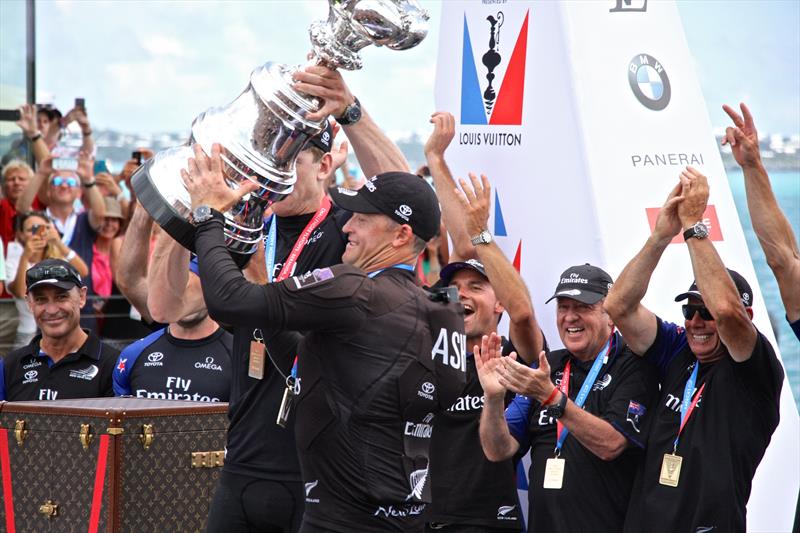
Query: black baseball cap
pixel 323 140
pixel 586 283
pixel 745 292
pixel 401 196
pixel 447 273
pixel 53 272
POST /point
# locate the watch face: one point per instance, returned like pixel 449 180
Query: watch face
pixel 701 230
pixel 353 113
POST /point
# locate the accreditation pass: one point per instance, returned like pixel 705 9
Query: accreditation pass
pixel 554 473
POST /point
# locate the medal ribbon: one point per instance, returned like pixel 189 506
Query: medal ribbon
pixel 291 260
pixel 688 405
pixel 588 383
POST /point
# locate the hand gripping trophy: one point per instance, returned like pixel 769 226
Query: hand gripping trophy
pixel 264 129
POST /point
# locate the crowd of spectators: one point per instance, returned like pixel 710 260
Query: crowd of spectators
pixel 83 263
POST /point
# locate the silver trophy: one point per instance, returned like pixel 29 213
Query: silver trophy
pixel 264 129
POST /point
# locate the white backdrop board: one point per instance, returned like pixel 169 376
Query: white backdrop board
pixel 593 110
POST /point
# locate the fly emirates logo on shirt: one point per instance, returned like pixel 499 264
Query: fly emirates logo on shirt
pixel 467 403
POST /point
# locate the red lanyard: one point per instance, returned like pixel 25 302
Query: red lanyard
pixel 319 216
pixel 689 413
pixel 564 387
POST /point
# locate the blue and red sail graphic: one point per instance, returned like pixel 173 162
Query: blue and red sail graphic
pixel 507 109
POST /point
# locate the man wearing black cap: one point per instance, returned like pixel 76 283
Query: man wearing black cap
pixel 720 380
pixel 489 286
pixel 581 411
pixel 64 361
pixel 378 360
pixel 260 488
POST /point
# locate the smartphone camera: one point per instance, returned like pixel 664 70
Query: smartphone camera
pixel 137 155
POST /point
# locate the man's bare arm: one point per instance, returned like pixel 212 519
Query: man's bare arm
pixel 446 187
pixel 772 228
pixel 623 304
pixel 174 292
pixel 720 296
pixel 131 268
pixel 376 153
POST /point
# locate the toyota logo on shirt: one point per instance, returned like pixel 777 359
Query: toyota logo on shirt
pixel 155 357
pixel 31 376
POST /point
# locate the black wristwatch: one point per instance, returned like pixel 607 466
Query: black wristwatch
pixel 351 115
pixel 557 409
pixel 698 231
pixel 202 213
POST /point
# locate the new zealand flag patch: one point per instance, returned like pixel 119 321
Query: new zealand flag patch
pixel 635 410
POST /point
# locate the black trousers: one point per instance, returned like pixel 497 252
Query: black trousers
pixel 244 504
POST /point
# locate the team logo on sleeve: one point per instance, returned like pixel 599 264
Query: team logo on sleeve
pixel 315 276
pixel 121 365
pixel 635 410
pixel 86 374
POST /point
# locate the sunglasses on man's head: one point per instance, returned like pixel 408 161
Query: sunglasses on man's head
pixel 70 181
pixel 36 274
pixel 689 311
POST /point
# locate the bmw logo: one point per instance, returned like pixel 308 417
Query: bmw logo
pixel 649 82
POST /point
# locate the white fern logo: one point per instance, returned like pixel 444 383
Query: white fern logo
pixel 503 510
pixel 310 486
pixel 417 479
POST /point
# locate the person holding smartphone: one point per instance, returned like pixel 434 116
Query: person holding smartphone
pixel 37 240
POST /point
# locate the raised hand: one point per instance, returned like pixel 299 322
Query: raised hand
pixel 694 186
pixel 85 169
pixel 476 201
pixel 531 382
pixel 27 122
pixel 206 183
pixel 668 224
pixel 487 361
pixel 327 84
pixel 444 129
pixel 743 138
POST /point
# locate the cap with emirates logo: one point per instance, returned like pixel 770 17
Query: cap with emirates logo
pixel 586 283
pixel 401 196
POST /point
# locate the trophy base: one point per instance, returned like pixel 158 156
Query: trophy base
pixel 173 217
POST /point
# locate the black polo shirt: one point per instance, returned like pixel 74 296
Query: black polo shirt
pixel 595 493
pixel 29 374
pixel 721 444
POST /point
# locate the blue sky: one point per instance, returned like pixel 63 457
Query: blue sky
pixel 152 66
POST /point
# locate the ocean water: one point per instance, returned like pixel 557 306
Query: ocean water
pixel 786 185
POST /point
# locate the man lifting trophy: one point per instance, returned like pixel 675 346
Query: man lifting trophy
pixel 264 129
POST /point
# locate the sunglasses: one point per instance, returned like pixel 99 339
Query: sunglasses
pixel 70 181
pixel 61 273
pixel 690 310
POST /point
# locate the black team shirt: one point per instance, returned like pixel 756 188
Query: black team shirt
pixel 379 360
pixel 721 445
pixel 468 489
pixel 29 374
pixel 257 446
pixel 167 368
pixel 595 493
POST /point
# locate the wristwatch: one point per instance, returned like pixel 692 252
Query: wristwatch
pixel 201 214
pixel 698 231
pixel 557 409
pixel 483 237
pixel 351 115
pixel 89 184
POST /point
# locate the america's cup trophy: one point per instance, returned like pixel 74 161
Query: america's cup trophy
pixel 264 129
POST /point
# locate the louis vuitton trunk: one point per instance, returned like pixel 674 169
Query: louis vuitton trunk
pixel 109 464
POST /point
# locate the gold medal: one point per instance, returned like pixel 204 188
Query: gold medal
pixel 256 365
pixel 554 473
pixel 670 470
